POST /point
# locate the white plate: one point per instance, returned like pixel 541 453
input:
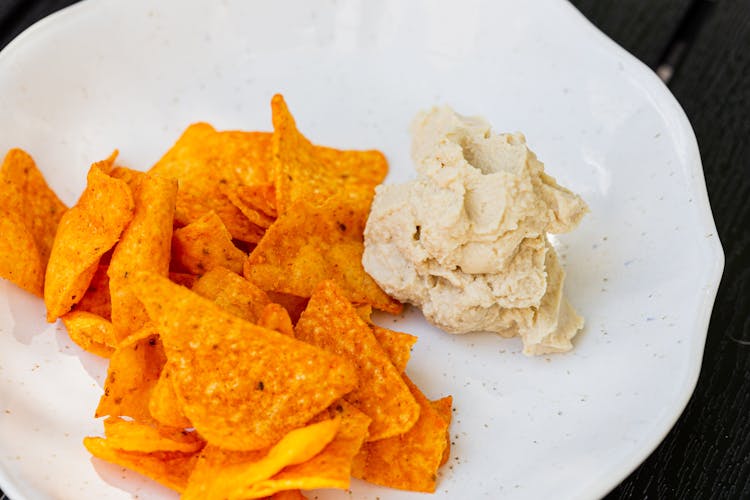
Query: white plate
pixel 643 268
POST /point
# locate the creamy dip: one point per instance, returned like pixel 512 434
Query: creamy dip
pixel 466 241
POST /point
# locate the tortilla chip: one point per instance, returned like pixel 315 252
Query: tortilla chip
pixel 331 323
pixel 221 474
pixel 409 461
pixel 133 370
pixel 202 160
pixel 305 172
pixel 397 345
pixel 205 244
pixel 331 468
pixel 310 244
pixel 144 438
pixel 172 469
pixel 92 333
pixel 144 246
pixel 238 195
pixel 233 293
pixel 96 300
pixel 260 197
pixel 230 375
pixel 274 317
pixel 444 406
pixel 84 234
pixel 32 200
pixel 293 304
pixel 163 405
pixel 20 262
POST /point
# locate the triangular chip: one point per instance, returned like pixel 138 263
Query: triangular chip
pixel 20 262
pixel 233 293
pixel 397 345
pixel 310 244
pixel 84 234
pixel 144 246
pixel 202 160
pixel 163 404
pixel 171 469
pixel 303 171
pixel 331 323
pixel 444 406
pixel 221 474
pixel 91 332
pixel 133 370
pixel 409 461
pixel 230 375
pixel 275 317
pixel 32 200
pixel 203 245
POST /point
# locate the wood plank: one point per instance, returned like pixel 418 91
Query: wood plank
pixel 643 28
pixel 707 454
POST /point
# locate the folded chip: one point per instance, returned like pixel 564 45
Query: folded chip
pixel 409 461
pixel 134 369
pixel 91 332
pixel 313 243
pixel 203 245
pixel 242 386
pixel 172 469
pixel 331 323
pixel 144 246
pixel 84 234
pixel 221 474
pixel 397 345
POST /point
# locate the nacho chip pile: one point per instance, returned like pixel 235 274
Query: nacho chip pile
pixel 226 288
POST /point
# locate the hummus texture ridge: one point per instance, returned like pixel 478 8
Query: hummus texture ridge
pixel 466 241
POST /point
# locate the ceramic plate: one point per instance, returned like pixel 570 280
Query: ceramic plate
pixel 643 267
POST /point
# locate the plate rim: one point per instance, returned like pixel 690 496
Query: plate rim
pixel 696 184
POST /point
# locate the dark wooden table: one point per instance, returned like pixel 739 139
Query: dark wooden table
pixel 702 48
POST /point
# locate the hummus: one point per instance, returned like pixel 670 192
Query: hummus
pixel 466 241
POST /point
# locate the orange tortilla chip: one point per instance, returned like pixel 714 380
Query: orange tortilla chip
pixel 233 293
pixel 261 197
pixel 163 405
pixel 331 323
pixel 409 461
pixel 144 246
pixel 239 197
pixel 96 300
pixel 205 244
pixel 144 438
pixel 84 234
pixel 221 474
pixel 310 244
pixel 230 375
pixel 331 468
pixel 397 345
pixel 274 317
pixel 133 370
pixel 172 469
pixel 202 160
pixel 303 171
pixel 20 262
pixel 444 406
pixel 24 191
pixel 92 333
